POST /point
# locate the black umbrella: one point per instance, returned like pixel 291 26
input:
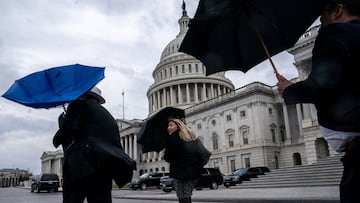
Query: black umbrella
pixel 239 34
pixel 153 134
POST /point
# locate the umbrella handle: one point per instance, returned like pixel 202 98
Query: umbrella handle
pixel 267 54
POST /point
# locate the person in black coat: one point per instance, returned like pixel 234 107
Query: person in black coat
pixel 186 156
pixel 93 154
pixel 333 86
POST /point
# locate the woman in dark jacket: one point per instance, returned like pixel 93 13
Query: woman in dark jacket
pixel 186 162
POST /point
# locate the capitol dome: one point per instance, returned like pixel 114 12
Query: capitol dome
pixel 179 78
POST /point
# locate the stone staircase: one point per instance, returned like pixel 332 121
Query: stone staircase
pixel 325 172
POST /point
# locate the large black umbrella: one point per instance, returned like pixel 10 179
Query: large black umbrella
pixel 153 134
pixel 239 34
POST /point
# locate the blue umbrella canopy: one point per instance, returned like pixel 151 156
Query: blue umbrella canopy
pixel 54 86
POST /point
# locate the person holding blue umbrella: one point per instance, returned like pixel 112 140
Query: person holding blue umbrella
pixel 93 155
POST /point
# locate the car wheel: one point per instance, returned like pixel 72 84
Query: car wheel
pixel 56 189
pixel 167 190
pixel 143 186
pixel 214 186
pixel 37 189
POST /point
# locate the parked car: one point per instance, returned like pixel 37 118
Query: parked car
pixel 147 180
pixel 244 174
pixel 210 178
pixel 46 181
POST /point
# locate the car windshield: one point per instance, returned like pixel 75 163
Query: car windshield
pixel 240 171
pixel 145 175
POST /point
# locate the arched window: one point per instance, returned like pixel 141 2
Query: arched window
pixel 230 137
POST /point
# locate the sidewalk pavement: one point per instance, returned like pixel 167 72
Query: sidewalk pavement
pixel 328 194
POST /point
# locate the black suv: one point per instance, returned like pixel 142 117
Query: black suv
pixel 210 178
pixel 46 181
pixel 244 174
pixel 147 180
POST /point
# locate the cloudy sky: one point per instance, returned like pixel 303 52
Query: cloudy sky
pixel 126 37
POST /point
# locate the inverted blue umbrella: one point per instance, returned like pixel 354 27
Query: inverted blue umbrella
pixel 54 86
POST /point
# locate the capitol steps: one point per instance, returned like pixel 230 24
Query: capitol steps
pixel 326 172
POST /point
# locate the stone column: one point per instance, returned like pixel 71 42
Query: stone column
pixel 299 117
pixel 204 92
pixel 286 120
pixel 196 93
pixel 158 99
pixel 131 143
pixel 180 94
pixel 135 147
pixel 126 148
pixel 172 102
pixel 164 97
pixel 212 90
pixel 187 93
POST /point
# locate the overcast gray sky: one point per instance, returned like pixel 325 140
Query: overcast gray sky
pixel 127 37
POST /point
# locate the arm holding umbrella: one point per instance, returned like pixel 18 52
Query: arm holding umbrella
pixel 282 84
pixel 69 126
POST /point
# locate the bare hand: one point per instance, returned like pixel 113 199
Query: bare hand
pixel 282 84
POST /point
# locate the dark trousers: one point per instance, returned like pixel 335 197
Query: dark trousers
pixel 350 181
pixel 96 188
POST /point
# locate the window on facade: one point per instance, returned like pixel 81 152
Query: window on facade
pixel 247 162
pixel 242 114
pixel 231 140
pixel 176 70
pixel 245 158
pixel 216 164
pixel 170 72
pixel 245 135
pixel 199 126
pixel 190 68
pixel 231 162
pixel 228 117
pixel 196 68
pixel 270 111
pixel 215 141
pixel 182 68
pixel 165 73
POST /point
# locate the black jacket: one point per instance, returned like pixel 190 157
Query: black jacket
pixel 91 141
pixel 184 158
pixel 333 84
